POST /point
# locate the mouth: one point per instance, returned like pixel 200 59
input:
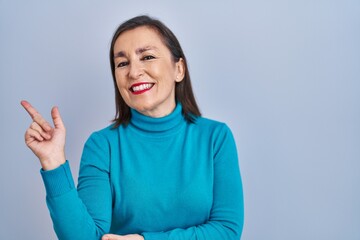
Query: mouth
pixel 142 87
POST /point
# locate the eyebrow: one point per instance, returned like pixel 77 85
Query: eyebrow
pixel 137 51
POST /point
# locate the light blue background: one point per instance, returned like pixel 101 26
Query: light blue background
pixel 284 75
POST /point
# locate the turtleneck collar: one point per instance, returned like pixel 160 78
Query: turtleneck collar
pixel 162 125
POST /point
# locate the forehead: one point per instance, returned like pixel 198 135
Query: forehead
pixel 138 37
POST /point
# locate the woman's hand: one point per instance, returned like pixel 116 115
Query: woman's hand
pixel 122 237
pixel 47 143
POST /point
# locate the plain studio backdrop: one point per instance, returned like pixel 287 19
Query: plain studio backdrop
pixel 284 75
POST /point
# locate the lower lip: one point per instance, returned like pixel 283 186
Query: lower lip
pixel 142 91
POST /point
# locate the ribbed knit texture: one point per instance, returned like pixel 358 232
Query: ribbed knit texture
pixel 164 178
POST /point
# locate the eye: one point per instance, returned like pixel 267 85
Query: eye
pixel 122 64
pixel 148 57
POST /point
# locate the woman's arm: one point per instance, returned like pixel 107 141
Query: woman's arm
pixel 82 214
pixel 85 212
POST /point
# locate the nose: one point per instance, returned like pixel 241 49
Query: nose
pixel 135 69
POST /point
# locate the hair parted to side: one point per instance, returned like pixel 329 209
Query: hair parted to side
pixel 183 90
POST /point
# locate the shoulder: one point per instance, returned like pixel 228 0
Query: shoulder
pixel 219 132
pixel 107 131
pixel 210 125
pixel 222 139
pixel 104 136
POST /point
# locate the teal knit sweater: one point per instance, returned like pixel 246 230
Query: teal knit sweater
pixel 163 178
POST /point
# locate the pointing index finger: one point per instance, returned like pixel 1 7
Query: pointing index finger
pixel 35 115
pixel 30 109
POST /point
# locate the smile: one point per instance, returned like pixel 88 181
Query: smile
pixel 139 88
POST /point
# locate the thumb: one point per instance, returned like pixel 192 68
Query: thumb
pixel 55 114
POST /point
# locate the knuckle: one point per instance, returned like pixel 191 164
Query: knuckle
pixel 28 131
pixel 36 117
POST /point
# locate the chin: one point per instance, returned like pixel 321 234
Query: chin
pixel 143 107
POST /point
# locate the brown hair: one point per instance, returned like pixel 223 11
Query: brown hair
pixel 183 89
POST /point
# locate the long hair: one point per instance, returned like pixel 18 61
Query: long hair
pixel 183 90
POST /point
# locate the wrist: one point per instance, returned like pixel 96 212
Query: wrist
pixel 50 165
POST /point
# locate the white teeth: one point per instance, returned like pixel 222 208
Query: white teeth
pixel 141 87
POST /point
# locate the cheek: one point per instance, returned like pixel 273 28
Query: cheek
pixel 121 87
pixel 119 81
pixel 153 71
pixel 122 90
pixel 162 71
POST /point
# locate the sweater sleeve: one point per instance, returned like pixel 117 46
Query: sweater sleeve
pixel 85 212
pixel 227 213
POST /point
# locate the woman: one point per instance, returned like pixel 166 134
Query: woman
pixel 161 171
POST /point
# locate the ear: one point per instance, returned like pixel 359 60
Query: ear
pixel 179 70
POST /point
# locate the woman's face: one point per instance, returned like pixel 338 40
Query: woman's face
pixel 145 72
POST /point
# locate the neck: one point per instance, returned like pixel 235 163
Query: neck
pixel 157 113
pixel 158 125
